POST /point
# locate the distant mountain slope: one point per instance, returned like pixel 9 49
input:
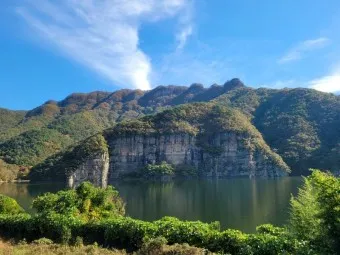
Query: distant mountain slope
pixel 302 125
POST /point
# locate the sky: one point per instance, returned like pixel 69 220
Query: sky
pixel 52 48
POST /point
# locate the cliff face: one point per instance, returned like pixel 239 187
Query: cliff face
pixel 204 139
pixel 94 170
pixel 229 155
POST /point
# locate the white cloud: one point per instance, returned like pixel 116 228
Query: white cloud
pixel 297 52
pixel 182 36
pixel 328 83
pixel 186 27
pixel 103 35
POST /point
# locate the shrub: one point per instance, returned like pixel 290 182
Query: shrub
pixel 162 169
pixel 86 203
pixel 9 206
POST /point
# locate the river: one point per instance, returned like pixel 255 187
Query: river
pixel 237 203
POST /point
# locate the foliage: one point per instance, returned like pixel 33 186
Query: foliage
pixel 10 172
pixel 9 206
pixel 153 170
pixel 303 125
pixel 305 208
pixel 33 146
pixel 9 119
pixel 86 202
pixel 315 215
pixel 59 166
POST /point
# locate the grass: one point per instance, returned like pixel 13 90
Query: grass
pixel 54 249
pixel 151 248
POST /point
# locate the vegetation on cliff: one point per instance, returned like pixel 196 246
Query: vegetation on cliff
pixel 115 231
pixel 59 166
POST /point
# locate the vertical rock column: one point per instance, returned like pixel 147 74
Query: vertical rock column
pixel 94 170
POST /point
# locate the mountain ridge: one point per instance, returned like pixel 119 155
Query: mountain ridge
pixel 311 120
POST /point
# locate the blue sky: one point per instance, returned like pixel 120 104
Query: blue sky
pixel 51 48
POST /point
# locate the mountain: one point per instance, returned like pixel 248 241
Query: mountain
pixel 301 125
pixel 203 139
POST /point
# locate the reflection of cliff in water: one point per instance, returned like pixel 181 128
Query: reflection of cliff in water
pixel 236 203
pixel 24 193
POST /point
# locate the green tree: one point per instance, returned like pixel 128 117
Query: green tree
pixel 161 169
pixel 86 202
pixel 315 212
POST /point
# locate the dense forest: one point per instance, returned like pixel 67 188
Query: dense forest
pixel 301 125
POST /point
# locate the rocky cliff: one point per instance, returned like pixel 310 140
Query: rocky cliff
pixel 232 156
pixel 94 169
pixel 211 140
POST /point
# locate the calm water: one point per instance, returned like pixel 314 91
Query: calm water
pixel 236 203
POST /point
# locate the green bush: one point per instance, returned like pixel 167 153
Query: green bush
pixel 86 203
pixel 9 206
pixel 161 169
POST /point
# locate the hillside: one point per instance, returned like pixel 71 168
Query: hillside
pixel 302 125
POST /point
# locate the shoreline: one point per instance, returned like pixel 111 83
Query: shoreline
pixel 16 181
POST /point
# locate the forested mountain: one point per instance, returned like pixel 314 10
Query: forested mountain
pixel 301 125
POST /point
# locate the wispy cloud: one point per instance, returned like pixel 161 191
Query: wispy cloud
pixel 327 83
pixel 103 35
pixel 185 26
pixel 302 48
pixel 182 36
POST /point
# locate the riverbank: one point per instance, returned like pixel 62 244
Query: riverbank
pixel 16 181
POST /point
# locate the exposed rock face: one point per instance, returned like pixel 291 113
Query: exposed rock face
pixel 233 157
pixel 129 154
pixel 94 170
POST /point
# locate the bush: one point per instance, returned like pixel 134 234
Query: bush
pixel 9 206
pixel 85 203
pixel 162 169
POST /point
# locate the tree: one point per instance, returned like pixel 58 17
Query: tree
pixel 86 202
pixel 315 212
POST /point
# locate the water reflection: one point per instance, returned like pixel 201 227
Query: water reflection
pixel 24 193
pixel 236 203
